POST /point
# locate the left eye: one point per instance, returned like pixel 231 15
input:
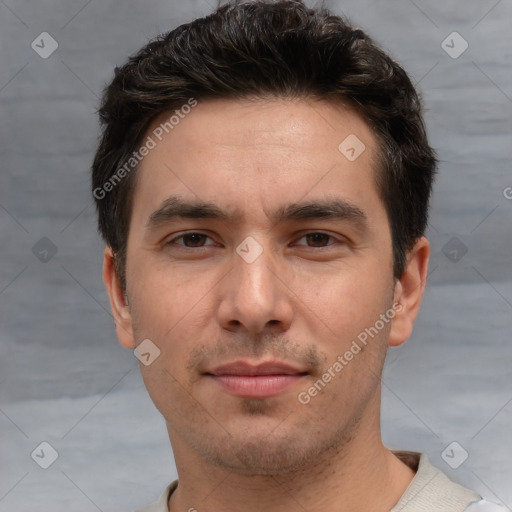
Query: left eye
pixel 318 239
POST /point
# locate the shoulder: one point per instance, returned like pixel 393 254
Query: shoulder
pixel 431 489
pixel 486 506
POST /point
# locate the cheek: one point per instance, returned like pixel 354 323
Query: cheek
pixel 344 302
pixel 163 295
pixel 173 310
pixel 167 391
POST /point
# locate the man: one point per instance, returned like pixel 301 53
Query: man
pixel 262 184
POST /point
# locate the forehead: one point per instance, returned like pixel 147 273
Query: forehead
pixel 257 153
pixel 276 123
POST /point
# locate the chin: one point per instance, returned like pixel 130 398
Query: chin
pixel 270 451
pixel 263 459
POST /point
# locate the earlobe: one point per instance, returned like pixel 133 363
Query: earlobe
pixel 118 301
pixel 409 292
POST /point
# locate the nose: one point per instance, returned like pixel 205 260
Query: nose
pixel 255 296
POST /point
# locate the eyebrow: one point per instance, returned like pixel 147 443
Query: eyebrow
pixel 175 207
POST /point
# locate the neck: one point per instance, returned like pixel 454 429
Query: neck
pixel 361 472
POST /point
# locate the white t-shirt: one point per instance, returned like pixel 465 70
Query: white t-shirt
pixel 429 491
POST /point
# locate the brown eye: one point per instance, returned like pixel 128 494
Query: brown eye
pixel 318 239
pixel 195 239
pixel 190 240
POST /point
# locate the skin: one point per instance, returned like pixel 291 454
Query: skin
pixel 302 301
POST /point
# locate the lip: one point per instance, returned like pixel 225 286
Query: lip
pixel 263 380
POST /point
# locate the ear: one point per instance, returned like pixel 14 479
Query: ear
pixel 409 292
pixel 118 302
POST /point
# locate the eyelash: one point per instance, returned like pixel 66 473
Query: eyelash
pixel 182 236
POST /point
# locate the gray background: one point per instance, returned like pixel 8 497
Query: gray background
pixel 64 378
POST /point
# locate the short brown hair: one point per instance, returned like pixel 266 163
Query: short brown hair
pixel 260 49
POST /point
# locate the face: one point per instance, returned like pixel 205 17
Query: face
pixel 258 254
